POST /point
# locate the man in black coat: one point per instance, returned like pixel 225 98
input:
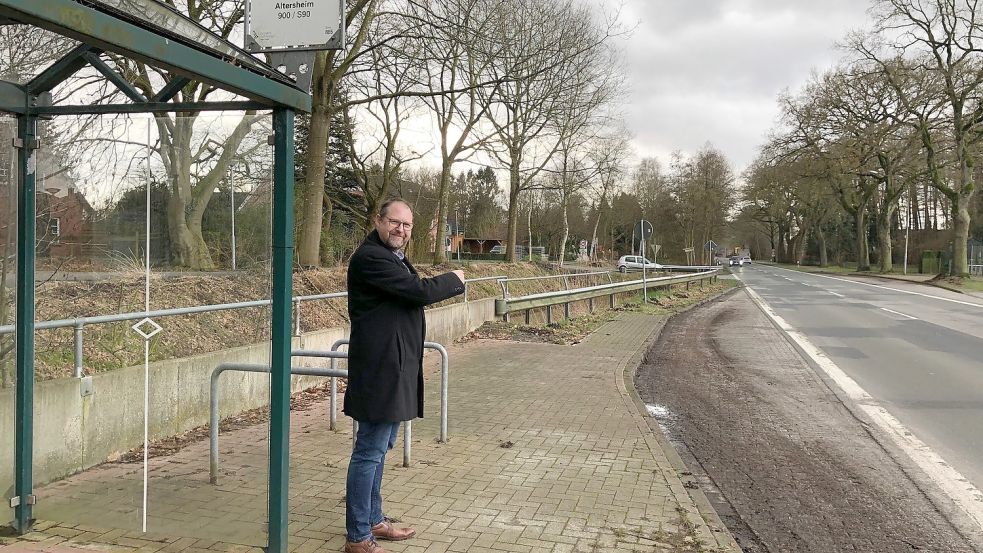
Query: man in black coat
pixel 385 364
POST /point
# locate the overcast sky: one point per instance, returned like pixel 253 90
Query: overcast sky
pixel 711 70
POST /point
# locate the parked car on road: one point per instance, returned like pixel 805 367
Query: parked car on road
pixel 635 263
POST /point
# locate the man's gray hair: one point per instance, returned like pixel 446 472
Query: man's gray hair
pixel 384 208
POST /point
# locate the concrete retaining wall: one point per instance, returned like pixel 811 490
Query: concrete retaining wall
pixel 72 433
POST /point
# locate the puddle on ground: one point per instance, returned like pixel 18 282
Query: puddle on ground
pixel 666 418
pixel 668 424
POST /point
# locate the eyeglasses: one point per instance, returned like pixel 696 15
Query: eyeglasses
pixel 394 224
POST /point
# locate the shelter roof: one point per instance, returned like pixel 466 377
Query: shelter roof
pixel 153 33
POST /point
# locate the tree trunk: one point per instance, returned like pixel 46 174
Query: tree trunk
pixel 566 224
pixel 529 228
pixel 188 200
pixel 188 247
pixel 443 197
pixel 513 213
pixel 960 234
pixel 823 255
pixel 863 252
pixel 593 241
pixel 886 257
pixel 312 214
pixel 802 241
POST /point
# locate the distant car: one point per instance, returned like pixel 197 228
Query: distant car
pixel 746 260
pixel 635 263
pixel 736 260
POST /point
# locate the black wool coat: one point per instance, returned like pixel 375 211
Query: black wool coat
pixel 385 356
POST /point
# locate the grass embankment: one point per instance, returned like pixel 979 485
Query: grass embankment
pixel 112 346
pixel 574 330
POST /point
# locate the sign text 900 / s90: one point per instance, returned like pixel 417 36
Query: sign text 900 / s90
pixel 290 15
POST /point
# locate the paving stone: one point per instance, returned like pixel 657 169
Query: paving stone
pixel 547 452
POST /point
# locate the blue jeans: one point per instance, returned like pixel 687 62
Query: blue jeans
pixel 363 497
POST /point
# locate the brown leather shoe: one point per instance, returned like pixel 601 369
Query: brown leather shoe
pixel 386 530
pixel 366 546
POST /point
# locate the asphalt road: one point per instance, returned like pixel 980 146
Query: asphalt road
pixel 917 350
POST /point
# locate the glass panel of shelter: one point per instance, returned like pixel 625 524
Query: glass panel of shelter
pixel 191 494
pixel 90 226
pixel 8 280
pixel 111 242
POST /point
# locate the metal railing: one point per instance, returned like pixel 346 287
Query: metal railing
pixel 334 373
pixel 481 279
pixel 79 323
pixel 976 270
pixel 213 401
pixel 507 305
pixel 444 379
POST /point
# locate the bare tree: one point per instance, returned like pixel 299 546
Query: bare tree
pixel 457 55
pixel 539 63
pixel 940 38
pixel 610 156
pixel 330 67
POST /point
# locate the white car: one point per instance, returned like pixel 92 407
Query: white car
pixel 635 263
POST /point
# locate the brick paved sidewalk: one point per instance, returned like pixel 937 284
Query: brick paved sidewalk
pixel 548 451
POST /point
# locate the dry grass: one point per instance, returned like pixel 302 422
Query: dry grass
pixel 116 345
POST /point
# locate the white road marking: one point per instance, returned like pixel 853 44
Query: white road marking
pixel 972 304
pixel 836 294
pixel 960 490
pixel 899 313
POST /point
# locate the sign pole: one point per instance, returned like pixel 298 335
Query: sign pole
pixel 645 290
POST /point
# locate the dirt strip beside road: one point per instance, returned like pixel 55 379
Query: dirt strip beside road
pixel 792 469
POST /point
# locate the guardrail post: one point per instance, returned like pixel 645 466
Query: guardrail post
pixel 612 301
pixel 566 310
pixel 590 304
pixel 78 349
pixel 527 316
pixel 549 314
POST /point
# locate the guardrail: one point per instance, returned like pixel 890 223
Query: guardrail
pixel 976 270
pixel 79 323
pixel 508 305
pixel 504 282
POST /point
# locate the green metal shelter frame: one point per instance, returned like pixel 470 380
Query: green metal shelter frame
pixel 167 40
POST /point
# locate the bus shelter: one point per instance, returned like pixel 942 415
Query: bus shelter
pixel 152 34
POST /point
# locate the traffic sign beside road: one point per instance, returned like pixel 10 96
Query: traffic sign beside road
pixel 643 230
